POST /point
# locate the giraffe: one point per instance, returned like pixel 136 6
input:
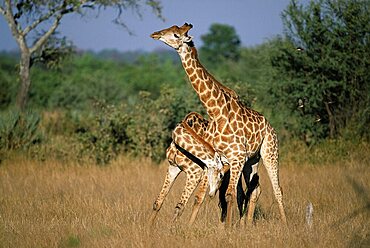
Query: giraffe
pixel 240 133
pixel 189 160
pixel 194 164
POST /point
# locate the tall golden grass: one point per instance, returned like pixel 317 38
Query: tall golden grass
pixel 50 204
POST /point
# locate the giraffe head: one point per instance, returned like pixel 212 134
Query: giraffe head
pixel 216 173
pixel 174 36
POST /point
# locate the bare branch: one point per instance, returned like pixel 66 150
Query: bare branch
pixel 42 18
pixel 2 11
pixel 8 14
pixel 44 38
pixel 63 10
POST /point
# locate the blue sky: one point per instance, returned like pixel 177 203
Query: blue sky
pixel 255 21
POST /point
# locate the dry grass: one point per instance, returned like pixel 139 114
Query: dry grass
pixel 49 204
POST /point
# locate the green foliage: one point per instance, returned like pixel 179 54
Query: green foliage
pixel 106 135
pixel 148 129
pixel 8 74
pixel 149 73
pixel 85 79
pixel 251 76
pixel 154 120
pixel 221 43
pixel 81 83
pixel 323 66
pixel 19 130
pixel 54 52
pixel 141 130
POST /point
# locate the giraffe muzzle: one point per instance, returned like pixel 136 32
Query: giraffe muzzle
pixel 212 193
pixel 156 35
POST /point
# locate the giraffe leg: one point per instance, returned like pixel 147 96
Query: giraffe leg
pixel 235 171
pixel 240 197
pixel 171 175
pixel 222 194
pixel 253 193
pixel 192 181
pixel 199 197
pixel 269 154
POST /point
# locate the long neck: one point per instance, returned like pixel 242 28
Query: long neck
pixel 210 91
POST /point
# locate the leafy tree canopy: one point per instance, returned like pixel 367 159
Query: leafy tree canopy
pixel 325 63
pixel 222 42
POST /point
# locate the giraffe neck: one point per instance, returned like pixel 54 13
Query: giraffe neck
pixel 211 93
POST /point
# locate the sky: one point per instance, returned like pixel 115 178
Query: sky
pixel 255 21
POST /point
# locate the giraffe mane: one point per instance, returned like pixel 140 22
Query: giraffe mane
pixel 222 87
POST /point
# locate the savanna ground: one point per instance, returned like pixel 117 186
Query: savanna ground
pixel 54 204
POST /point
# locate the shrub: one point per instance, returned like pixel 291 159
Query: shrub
pixel 154 119
pixel 19 130
pixel 106 135
pixel 142 129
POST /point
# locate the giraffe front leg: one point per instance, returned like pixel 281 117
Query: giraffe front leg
pixel 171 175
pixel 235 172
pixel 192 180
pixel 199 197
pixel 240 197
pixel 222 196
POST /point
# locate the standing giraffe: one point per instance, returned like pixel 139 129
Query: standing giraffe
pixel 238 132
pixel 194 164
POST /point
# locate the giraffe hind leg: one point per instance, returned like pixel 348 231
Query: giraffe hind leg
pixel 222 193
pixel 269 154
pixel 192 181
pixel 235 173
pixel 172 173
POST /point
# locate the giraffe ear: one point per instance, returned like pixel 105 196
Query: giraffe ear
pixel 188 38
pixel 185 28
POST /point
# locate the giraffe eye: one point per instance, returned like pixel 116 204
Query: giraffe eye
pixel 176 36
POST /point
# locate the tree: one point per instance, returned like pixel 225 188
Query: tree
pixel 324 61
pixel 34 23
pixel 219 44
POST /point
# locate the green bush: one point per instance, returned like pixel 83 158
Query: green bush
pixel 154 119
pixel 143 129
pixel 106 135
pixel 19 130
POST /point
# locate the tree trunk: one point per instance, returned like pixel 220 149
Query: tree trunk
pixel 25 80
pixel 332 127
